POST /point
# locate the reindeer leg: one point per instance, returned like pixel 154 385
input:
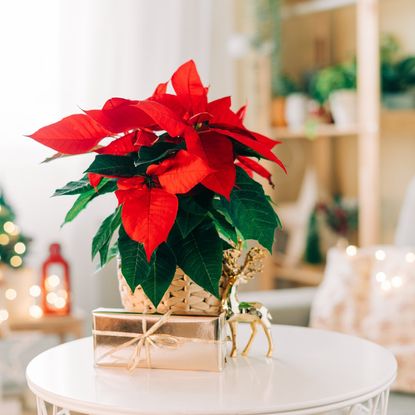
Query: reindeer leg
pixel 251 339
pixel 233 326
pixel 267 332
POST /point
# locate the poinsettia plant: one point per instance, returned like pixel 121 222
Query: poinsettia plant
pixel 181 169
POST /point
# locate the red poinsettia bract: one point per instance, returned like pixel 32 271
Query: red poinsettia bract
pixel 210 136
pixel 149 203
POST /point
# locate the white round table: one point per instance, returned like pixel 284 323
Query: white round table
pixel 312 372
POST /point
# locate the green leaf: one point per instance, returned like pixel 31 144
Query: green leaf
pixel 155 153
pixel 242 150
pixel 107 254
pixel 186 221
pixel 199 202
pixel 250 210
pixel 225 229
pixel 106 186
pixel 200 256
pixel 74 188
pixel 104 234
pixel 189 215
pixel 80 204
pixel 108 165
pixel 134 265
pixel 161 274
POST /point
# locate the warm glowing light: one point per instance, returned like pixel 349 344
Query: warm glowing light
pixel 51 298
pixel 16 261
pixel 9 227
pixel 52 281
pixel 35 291
pixel 397 281
pixel 380 255
pixel 410 257
pixel 20 248
pixel 63 293
pixel 35 311
pixel 4 239
pixel 351 250
pixel 60 302
pixel 380 276
pixel 4 315
pixel 10 294
pixel 386 285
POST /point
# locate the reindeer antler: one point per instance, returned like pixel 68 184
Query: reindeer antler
pixel 253 261
pixel 251 265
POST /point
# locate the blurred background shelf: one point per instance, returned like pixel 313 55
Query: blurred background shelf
pixel 321 130
pixel 305 7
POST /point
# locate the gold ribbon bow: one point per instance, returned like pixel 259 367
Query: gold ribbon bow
pixel 146 340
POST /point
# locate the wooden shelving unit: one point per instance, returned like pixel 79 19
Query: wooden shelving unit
pixel 305 7
pixel 367 130
pixel 314 131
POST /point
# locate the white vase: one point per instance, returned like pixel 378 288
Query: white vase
pixel 343 106
pixel 296 110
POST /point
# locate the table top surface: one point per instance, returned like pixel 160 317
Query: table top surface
pixel 48 322
pixel 311 371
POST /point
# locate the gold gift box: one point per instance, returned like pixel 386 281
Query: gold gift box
pixel 132 340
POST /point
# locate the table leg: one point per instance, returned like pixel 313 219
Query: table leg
pixel 378 405
pixel 43 410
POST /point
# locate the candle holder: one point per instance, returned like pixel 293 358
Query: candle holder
pixel 55 283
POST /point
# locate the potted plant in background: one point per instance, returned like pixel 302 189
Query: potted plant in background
pixel 284 87
pixel 336 86
pixel 397 76
pixel 181 169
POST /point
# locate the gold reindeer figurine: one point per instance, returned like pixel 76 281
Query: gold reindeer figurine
pixel 244 312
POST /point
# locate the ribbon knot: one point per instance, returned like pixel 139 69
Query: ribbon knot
pixel 145 340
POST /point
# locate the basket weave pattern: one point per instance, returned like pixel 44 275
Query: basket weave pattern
pixel 182 297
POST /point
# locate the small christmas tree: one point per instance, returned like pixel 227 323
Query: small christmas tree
pixel 13 245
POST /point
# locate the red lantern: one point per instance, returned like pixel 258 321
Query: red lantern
pixel 56 287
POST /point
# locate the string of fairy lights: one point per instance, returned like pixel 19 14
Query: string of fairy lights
pixel 56 296
pixel 387 281
pixel 13 245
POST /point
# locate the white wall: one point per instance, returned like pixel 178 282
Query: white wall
pixel 58 55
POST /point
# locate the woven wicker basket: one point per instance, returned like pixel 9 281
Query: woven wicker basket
pixel 183 297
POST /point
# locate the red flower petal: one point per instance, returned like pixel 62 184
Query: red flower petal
pixel 223 115
pixel 171 101
pixel 218 105
pixel 163 116
pixel 145 138
pixel 120 115
pixel 149 216
pixel 247 170
pixel 180 173
pixel 256 167
pixel 259 147
pixel 127 188
pixel 264 140
pixel 94 179
pixel 136 182
pixel 121 146
pixel 217 150
pixel 188 86
pixel 75 134
pixel 193 142
pixel 160 89
pixel 241 112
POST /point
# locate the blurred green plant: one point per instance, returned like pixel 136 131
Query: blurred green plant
pixel 397 73
pixel 332 78
pixel 285 85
